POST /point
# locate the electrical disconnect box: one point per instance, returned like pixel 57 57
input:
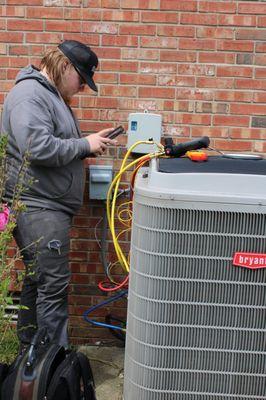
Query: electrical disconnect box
pixel 100 177
pixel 144 126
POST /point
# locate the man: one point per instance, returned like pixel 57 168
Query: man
pixel 39 121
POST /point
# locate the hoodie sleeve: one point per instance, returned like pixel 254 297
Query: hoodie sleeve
pixel 32 126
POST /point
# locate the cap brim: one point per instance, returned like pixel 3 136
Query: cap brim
pixel 90 82
pixel 87 78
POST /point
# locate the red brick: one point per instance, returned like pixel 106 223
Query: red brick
pixel 251 34
pixel 235 45
pixel 158 42
pixel 196 94
pixel 250 84
pixel 108 52
pixel 209 82
pixel 261 22
pixel 140 104
pixel 260 147
pixel 193 119
pixel 232 145
pixel 98 102
pixel 137 79
pixel 18 62
pixel 94 3
pixel 11 11
pixel 108 4
pixel 129 29
pixel 184 106
pixel 11 73
pixel 117 15
pixel 177 81
pixel 197 44
pixel 106 77
pixel 247 133
pixel 44 12
pixel 175 31
pixel 230 95
pixel 89 15
pixel 75 13
pixel 246 72
pixel 196 69
pixel 247 109
pixel 11 37
pixel 198 19
pixel 188 5
pixel 260 73
pixel 177 131
pixel 37 50
pixel 164 93
pixel 213 108
pixel 90 114
pixel 43 37
pixel 259 97
pixel 260 59
pixel 125 66
pixel 157 68
pixel 229 120
pixel 5 86
pixel 113 115
pixel 117 91
pixel 99 27
pixel 120 41
pixel 178 56
pixel 210 131
pixel 140 54
pixel 69 3
pixel 217 7
pixel 251 8
pixel 23 25
pixel 140 4
pixel 217 58
pixel 216 33
pixel 260 48
pixel 25 2
pixel 155 16
pixel 236 20
pixel 19 50
pixel 63 26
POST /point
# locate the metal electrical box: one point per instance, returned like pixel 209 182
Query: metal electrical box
pixel 143 126
pixel 100 178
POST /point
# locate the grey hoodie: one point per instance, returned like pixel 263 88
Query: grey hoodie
pixel 37 120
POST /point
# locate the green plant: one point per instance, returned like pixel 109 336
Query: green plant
pixel 8 338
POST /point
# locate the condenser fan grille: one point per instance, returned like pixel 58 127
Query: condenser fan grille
pixel 196 323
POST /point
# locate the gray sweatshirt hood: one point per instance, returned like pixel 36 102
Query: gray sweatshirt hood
pixel 32 72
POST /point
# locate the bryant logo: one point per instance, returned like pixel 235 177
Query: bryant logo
pixel 250 260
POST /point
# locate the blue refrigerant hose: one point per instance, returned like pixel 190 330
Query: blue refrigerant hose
pixel 91 309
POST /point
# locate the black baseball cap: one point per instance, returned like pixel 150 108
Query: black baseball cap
pixel 83 59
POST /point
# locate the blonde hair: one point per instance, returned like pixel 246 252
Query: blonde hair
pixel 54 62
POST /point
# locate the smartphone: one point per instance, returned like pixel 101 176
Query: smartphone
pixel 117 131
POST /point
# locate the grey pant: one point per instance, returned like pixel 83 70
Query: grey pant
pixel 43 239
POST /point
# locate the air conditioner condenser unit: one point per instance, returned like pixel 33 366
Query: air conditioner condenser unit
pixel 196 326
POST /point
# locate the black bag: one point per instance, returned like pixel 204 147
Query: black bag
pixel 47 371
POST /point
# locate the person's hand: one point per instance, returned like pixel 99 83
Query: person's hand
pixel 98 141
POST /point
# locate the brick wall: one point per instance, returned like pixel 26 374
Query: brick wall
pixel 201 64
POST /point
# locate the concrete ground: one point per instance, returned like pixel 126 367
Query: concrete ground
pixel 108 369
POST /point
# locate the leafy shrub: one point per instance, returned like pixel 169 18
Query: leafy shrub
pixel 8 260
